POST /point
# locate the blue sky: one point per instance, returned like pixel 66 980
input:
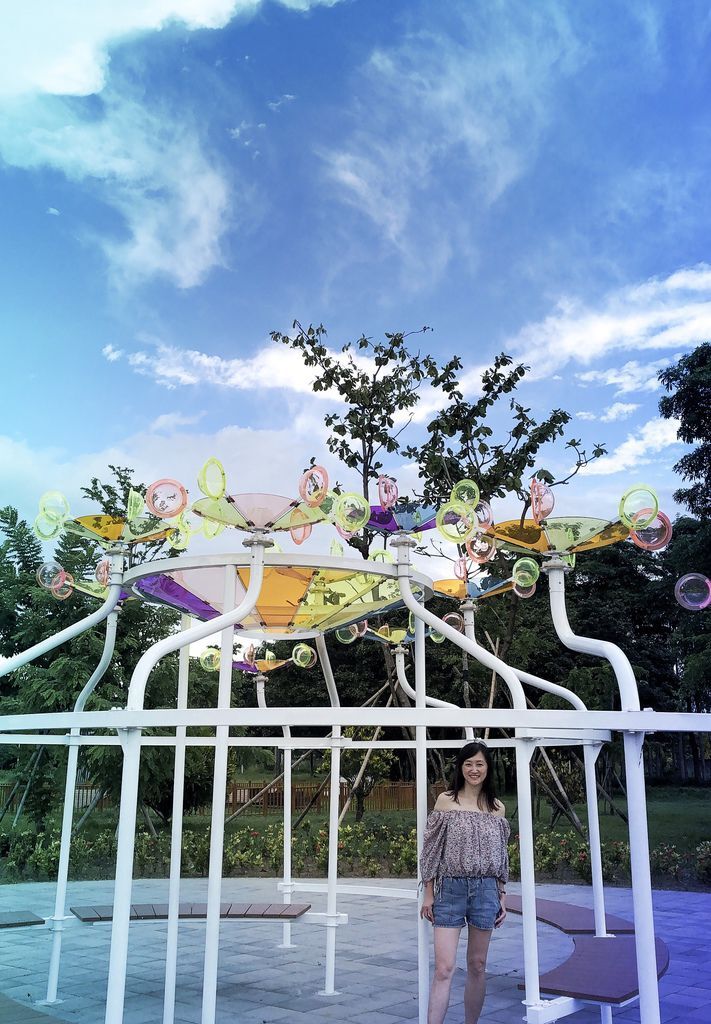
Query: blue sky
pixel 181 177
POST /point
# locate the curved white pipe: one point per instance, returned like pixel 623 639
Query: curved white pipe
pixel 106 656
pixel 115 583
pixel 432 702
pixel 68 812
pixel 554 688
pixel 131 743
pixel 636 796
pixel 518 698
pixel 137 688
pixel 629 696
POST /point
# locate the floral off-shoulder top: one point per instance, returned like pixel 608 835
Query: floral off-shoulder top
pixel 465 844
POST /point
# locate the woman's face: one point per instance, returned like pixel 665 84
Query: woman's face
pixel 474 769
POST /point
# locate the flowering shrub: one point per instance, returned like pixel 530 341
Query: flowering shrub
pixel 666 860
pixel 402 853
pixel 371 849
pixel 703 862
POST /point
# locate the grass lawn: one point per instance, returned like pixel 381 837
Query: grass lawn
pixel 679 816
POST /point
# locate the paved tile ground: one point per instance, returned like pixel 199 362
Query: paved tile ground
pixel 260 983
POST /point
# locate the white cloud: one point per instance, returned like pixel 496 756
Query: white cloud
pixel 111 353
pixel 637 449
pixel 470 99
pixel 618 411
pixel 64 48
pixel 632 376
pixel 149 165
pixel 276 105
pixel 272 366
pixel 171 421
pixel 661 313
pixel 53 211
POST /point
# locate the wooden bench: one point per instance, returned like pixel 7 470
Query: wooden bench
pixel 569 918
pixel 601 969
pixel 95 914
pixel 19 919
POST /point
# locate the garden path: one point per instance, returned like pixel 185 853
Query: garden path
pixel 376 967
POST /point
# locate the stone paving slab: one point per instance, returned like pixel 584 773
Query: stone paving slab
pixel 258 982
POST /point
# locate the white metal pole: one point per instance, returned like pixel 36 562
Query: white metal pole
pixel 423 938
pixel 129 780
pixel 217 824
pixel 636 796
pixel 60 897
pixel 128 806
pixel 590 755
pixel 524 751
pixel 176 836
pixel 523 754
pixel 286 942
pixel 329 988
pixel 286 886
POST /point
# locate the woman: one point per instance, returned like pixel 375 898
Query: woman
pixel 465 868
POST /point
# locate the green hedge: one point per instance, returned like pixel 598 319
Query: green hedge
pixel 364 848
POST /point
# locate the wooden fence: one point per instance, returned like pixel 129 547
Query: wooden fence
pixel 386 796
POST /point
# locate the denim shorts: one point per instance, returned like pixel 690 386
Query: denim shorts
pixel 473 901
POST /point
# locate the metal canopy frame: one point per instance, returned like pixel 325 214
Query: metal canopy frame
pixel 532 728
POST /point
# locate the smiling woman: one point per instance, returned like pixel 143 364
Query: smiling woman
pixel 464 869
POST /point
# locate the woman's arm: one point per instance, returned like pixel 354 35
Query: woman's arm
pixel 426 909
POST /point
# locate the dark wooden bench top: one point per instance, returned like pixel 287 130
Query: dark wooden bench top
pixel 602 970
pixel 569 918
pixel 19 919
pixel 195 911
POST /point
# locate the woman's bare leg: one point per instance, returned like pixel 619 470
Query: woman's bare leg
pixel 446 941
pixel 475 985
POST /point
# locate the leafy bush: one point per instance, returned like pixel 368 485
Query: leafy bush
pixel 666 860
pixel 703 862
pixel 370 848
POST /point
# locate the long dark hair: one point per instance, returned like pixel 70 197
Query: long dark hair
pixel 487 794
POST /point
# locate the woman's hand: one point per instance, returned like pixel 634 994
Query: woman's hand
pixel 427 908
pixel 501 916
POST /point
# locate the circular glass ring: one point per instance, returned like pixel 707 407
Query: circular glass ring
pixel 166 498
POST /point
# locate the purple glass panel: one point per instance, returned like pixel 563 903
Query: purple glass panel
pixel 244 666
pixel 167 591
pixel 412 518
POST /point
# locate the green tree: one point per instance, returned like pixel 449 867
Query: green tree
pixel 460 442
pixel 29 614
pixel 689 400
pixel 689 384
pixel 379 389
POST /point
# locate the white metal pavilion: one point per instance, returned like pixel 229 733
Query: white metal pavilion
pixel 251 593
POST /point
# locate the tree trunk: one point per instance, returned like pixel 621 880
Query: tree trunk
pixel 360 804
pixel 696 758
